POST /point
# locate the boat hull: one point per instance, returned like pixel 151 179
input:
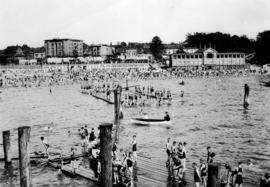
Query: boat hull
pixel 140 121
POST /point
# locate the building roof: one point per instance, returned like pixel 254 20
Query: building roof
pixel 62 39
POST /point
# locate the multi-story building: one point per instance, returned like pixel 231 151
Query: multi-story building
pixel 63 47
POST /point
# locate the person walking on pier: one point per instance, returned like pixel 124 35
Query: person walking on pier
pixel 134 148
pixel 197 176
pixel 203 172
pixel 239 175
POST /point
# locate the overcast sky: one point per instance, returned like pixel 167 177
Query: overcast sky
pixel 104 21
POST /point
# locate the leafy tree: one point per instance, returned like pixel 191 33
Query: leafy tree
pixel 222 42
pixel 262 48
pixel 156 48
pixel 123 44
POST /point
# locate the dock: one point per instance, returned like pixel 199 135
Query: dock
pixel 151 172
pixel 98 97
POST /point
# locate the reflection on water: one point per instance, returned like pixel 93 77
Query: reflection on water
pixel 210 114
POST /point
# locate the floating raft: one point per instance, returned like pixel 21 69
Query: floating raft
pixel 82 172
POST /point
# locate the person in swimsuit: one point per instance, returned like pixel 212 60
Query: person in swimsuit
pixel 203 172
pixel 177 166
pixel 45 144
pixel 197 177
pixel 134 148
pixel 239 175
pixel 168 151
pixel 182 154
pixel 208 153
pixel 115 170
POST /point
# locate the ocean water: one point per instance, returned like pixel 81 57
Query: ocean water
pixel 211 113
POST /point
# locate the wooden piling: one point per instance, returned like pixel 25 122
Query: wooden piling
pixel 127 84
pixel 7 148
pixel 117 103
pixel 106 154
pixel 246 95
pixel 24 156
pixel 213 171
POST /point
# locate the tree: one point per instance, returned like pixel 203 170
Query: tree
pixel 123 44
pixel 262 48
pixel 156 48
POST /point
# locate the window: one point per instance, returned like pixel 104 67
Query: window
pixel 238 55
pixel 191 56
pixel 234 55
pixel 188 56
pixel 230 55
pixel 209 55
pixel 183 56
pixel 226 56
pixel 196 56
pixel 217 55
pixel 222 56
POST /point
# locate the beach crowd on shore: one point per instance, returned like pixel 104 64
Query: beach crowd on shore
pixel 56 77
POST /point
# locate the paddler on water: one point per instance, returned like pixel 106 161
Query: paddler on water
pixel 167 117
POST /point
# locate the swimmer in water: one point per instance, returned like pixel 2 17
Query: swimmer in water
pixel 182 93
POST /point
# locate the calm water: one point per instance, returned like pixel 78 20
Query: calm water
pixel 209 114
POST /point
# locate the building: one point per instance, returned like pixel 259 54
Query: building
pixel 39 53
pixel 208 58
pixel 131 52
pixel 101 50
pixel 63 48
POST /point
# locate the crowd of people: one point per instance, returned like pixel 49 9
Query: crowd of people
pixel 176 164
pixel 56 76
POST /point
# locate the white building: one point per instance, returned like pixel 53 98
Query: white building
pixel 208 58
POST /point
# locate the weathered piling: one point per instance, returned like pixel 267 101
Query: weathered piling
pixel 117 103
pixel 213 170
pixel 127 84
pixel 24 156
pixel 246 95
pixel 105 154
pixel 7 148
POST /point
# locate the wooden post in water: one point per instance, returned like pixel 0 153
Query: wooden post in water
pixel 213 170
pixel 117 100
pixel 7 148
pixel 246 95
pixel 106 154
pixel 126 84
pixel 24 156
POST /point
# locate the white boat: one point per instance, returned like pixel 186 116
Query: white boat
pixel 142 121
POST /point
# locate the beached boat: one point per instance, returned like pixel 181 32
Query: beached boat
pixel 142 121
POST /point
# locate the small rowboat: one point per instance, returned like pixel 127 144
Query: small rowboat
pixel 142 121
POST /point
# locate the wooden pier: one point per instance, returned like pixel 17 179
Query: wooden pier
pixel 150 172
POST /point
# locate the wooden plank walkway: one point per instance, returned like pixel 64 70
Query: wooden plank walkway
pixel 153 173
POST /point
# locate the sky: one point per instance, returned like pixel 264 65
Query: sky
pixel 104 21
